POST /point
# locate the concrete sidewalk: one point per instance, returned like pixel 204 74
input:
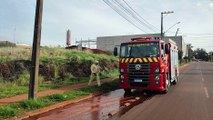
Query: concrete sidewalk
pixel 53 91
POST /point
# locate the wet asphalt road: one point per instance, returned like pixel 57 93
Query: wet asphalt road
pixel 190 99
pixel 97 108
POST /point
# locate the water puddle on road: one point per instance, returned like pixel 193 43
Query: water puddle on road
pixel 110 105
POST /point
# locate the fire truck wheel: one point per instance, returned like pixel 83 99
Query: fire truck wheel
pixel 127 91
pixel 175 81
pixel 148 92
pixel 167 85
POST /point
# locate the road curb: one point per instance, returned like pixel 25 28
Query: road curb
pixel 184 66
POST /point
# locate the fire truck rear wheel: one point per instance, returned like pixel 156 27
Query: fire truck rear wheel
pixel 175 81
pixel 127 90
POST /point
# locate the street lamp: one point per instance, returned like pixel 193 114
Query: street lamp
pixel 162 13
pixel 171 27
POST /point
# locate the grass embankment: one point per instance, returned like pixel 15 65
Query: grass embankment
pixel 15 109
pixel 59 55
pixel 9 89
pixel 58 67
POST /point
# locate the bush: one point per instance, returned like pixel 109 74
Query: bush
pixel 57 97
pixel 32 104
pixel 6 112
pixel 23 79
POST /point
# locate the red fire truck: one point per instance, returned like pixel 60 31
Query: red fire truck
pixel 148 63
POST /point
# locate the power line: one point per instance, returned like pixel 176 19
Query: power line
pixel 140 15
pixel 128 11
pixel 199 33
pixel 131 13
pixel 202 38
pixel 122 14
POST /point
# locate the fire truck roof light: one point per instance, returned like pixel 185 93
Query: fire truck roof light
pixel 141 38
pixel 145 38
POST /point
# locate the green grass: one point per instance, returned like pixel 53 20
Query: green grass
pixel 15 109
pixel 110 73
pixel 20 86
pixel 10 89
pixel 183 62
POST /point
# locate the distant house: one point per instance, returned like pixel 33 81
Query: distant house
pixel 7 44
pixel 23 46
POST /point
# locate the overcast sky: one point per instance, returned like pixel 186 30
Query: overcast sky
pixel 92 18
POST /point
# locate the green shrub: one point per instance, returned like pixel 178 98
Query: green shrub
pixel 23 79
pixel 1 78
pixel 32 104
pixel 69 76
pixel 57 97
pixel 6 112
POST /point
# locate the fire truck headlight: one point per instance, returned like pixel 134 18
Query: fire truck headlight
pixel 157 79
pixel 122 77
pixel 121 70
pixel 157 70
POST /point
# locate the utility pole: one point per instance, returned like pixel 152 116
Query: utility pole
pixel 161 29
pixel 162 13
pixel 35 51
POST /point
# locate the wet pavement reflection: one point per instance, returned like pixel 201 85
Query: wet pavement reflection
pixel 110 105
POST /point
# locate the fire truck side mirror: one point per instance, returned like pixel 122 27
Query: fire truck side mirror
pixel 167 49
pixel 115 51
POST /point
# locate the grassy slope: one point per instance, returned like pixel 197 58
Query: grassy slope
pixel 56 55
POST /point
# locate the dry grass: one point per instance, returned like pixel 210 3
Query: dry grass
pixel 12 53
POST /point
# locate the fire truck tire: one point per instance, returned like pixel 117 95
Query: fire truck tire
pixel 127 90
pixel 175 81
pixel 167 85
pixel 148 92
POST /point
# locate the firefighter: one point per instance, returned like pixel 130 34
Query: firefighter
pixel 153 52
pixel 95 71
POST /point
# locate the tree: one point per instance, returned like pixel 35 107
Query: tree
pixel 201 53
pixel 180 55
pixel 190 51
pixel 211 56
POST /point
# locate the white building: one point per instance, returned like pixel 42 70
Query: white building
pixel 107 43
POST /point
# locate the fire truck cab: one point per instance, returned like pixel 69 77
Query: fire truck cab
pixel 148 63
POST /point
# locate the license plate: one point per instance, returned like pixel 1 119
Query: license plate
pixel 138 80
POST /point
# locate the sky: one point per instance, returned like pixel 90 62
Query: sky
pixel 88 19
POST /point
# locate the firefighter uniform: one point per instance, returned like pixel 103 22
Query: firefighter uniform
pixel 95 71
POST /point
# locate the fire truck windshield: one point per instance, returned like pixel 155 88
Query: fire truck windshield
pixel 140 50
